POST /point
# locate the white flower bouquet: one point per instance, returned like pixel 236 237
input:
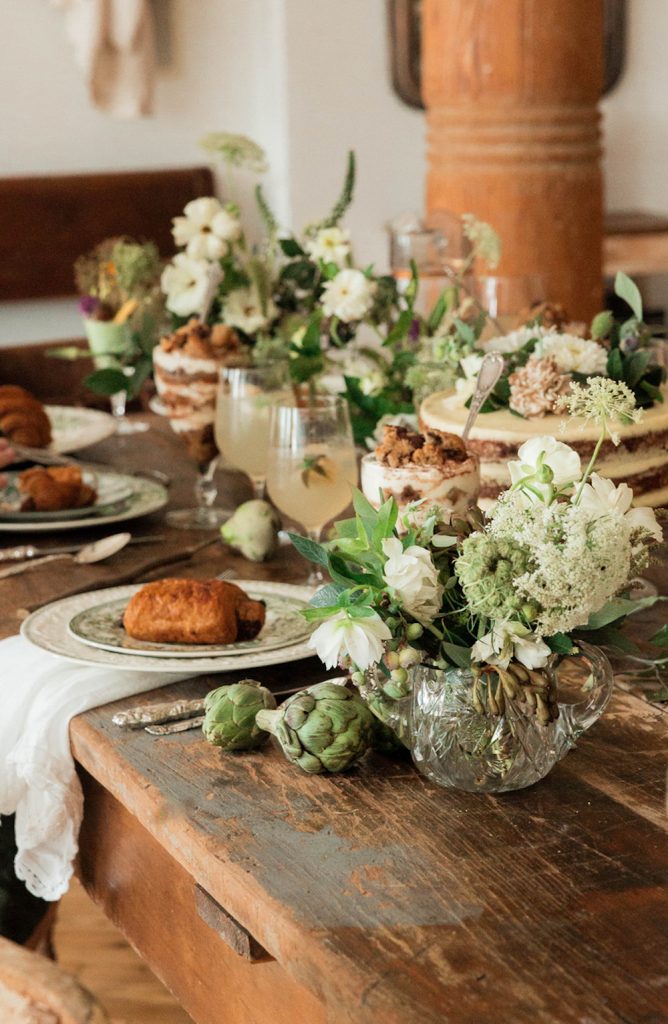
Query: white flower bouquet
pixel 501 596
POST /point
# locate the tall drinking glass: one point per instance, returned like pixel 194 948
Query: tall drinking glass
pixel 245 399
pixel 312 463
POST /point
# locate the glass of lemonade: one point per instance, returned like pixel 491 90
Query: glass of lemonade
pixel 245 399
pixel 312 462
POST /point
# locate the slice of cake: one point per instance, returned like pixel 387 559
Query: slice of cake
pixel 435 468
pixel 186 365
pixel 641 459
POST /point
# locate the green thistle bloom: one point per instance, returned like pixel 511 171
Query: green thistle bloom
pixel 487 569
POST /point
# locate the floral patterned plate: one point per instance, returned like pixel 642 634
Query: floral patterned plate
pixel 73 428
pixel 113 491
pixel 47 628
pixel 147 496
pixel 102 626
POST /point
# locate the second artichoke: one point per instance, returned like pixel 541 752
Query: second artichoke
pixel 324 728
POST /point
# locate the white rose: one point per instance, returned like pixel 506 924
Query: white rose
pixel 186 282
pixel 331 245
pixel 360 639
pixel 348 296
pixel 413 578
pixel 205 228
pixel 600 497
pixel 511 639
pixel 243 309
pixel 575 355
pixel 560 458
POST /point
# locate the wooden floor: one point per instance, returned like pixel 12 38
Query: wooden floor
pixel 89 946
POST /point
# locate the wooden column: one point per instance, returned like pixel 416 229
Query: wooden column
pixel 512 89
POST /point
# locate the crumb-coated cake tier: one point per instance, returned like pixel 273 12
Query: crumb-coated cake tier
pixel 435 468
pixel 641 458
pixel 186 365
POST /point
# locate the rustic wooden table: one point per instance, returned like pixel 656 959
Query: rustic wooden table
pixel 258 894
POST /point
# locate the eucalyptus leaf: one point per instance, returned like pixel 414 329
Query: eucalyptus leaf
pixel 618 608
pixel 627 290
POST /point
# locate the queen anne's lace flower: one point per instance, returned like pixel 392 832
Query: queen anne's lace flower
pixel 360 639
pixel 348 296
pixel 578 561
pixel 602 399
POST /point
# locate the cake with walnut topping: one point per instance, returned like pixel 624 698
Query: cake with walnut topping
pixel 187 364
pixel 434 468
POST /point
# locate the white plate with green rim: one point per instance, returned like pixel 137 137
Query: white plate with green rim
pixel 102 626
pixel 146 496
pixel 113 491
pixel 48 628
pixel 73 428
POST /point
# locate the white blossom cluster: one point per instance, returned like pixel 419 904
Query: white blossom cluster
pixel 581 559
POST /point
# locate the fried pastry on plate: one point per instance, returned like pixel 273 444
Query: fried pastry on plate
pixel 23 418
pixel 187 611
pixel 54 489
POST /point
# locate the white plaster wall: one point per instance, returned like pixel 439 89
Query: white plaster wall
pixel 306 78
pixel 635 115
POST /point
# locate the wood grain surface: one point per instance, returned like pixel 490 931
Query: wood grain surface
pixel 381 897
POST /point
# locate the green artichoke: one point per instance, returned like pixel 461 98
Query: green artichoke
pixel 253 530
pixel 324 728
pixel 229 719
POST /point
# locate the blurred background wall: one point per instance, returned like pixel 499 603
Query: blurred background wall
pixel 308 79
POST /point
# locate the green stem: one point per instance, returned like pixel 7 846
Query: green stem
pixel 592 463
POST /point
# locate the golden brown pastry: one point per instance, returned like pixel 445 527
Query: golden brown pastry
pixel 23 418
pixel 193 612
pixel 53 489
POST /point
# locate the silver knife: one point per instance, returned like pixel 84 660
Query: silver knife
pixel 24 551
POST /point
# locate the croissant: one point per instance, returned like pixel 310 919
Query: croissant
pixel 193 612
pixel 23 418
pixel 54 488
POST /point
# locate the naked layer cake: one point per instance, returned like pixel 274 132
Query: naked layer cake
pixel 435 468
pixel 641 459
pixel 186 365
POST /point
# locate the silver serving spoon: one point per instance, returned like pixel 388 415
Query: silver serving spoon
pixel 90 553
pixel 491 369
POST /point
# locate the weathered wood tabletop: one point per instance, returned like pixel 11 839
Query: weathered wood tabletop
pixel 260 894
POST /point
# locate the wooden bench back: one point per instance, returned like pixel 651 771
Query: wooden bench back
pixel 46 222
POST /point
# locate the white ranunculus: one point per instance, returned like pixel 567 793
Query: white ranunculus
pixel 360 639
pixel 243 309
pixel 206 228
pixel 511 639
pixel 348 296
pixel 412 577
pixel 331 245
pixel 575 355
pixel 560 458
pixel 186 282
pixel 470 366
pixel 601 496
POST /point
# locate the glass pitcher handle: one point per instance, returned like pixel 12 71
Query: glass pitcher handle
pixel 584 686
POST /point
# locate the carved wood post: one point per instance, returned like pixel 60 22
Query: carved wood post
pixel 512 89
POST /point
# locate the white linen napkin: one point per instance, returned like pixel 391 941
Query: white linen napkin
pixel 38 781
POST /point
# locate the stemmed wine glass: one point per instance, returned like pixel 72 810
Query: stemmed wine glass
pixel 245 398
pixel 311 462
